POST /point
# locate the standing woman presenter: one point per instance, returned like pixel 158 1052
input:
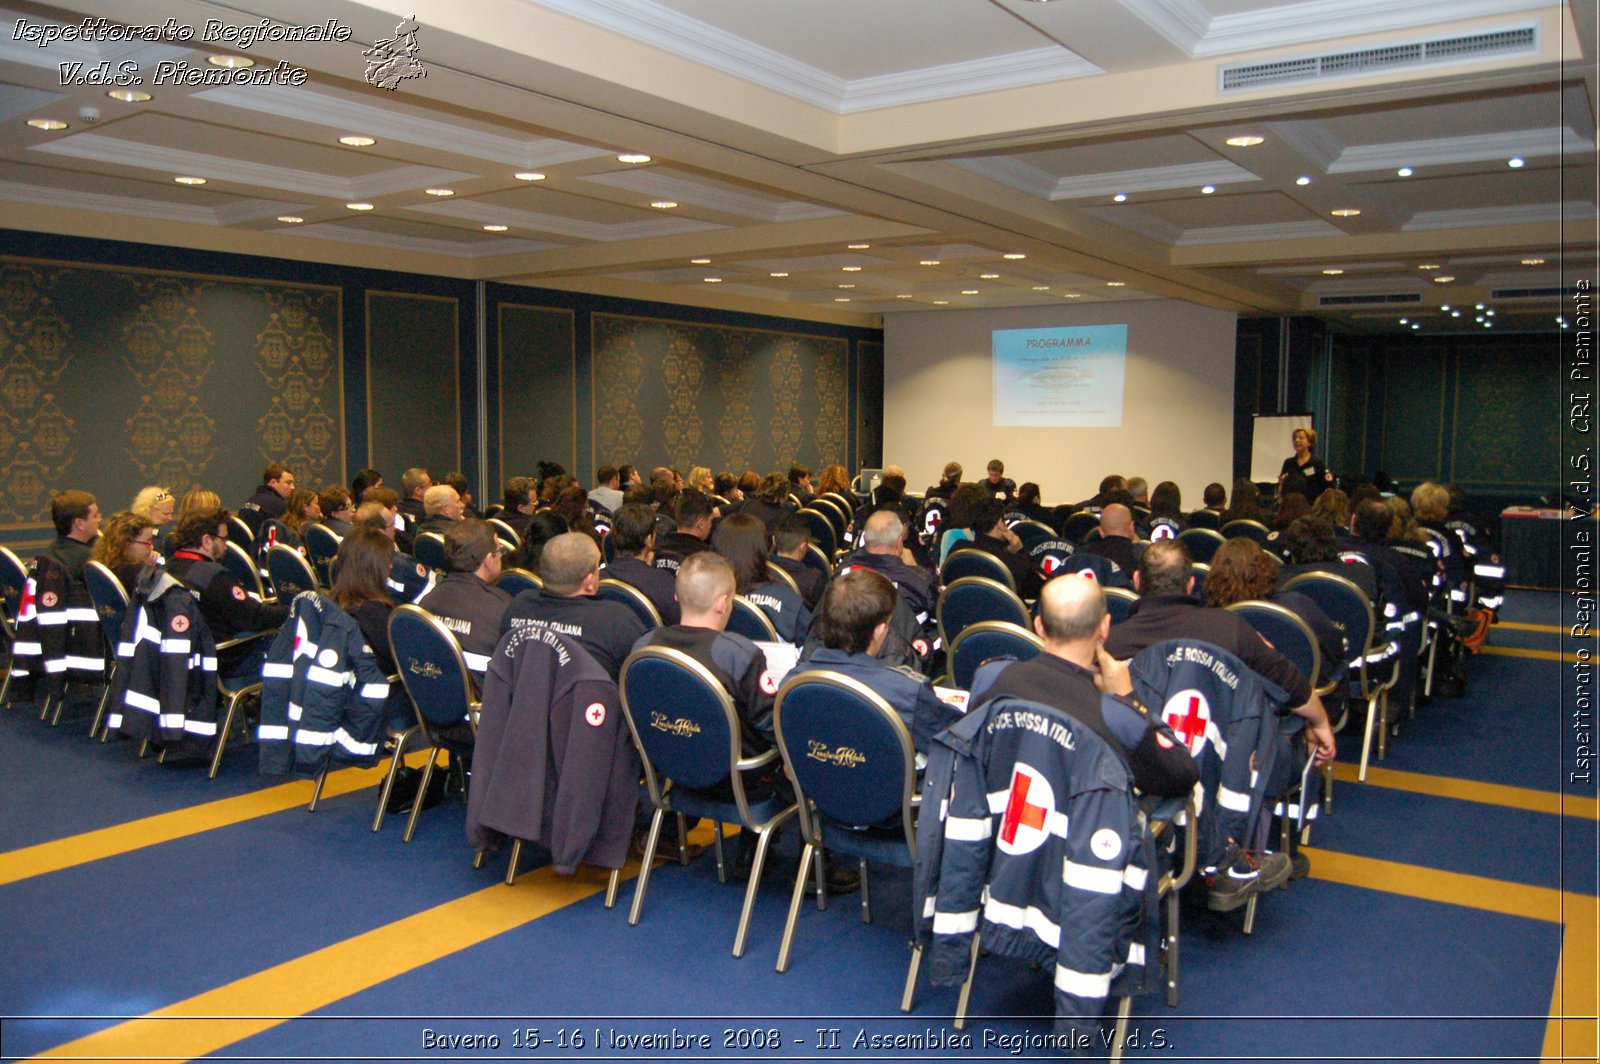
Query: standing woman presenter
pixel 1303 472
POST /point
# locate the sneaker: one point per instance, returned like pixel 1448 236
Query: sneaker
pixel 1274 868
pixel 1301 865
pixel 1230 886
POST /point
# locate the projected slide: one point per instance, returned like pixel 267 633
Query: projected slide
pixel 1060 378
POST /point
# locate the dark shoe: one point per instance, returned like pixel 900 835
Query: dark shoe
pixel 838 879
pixel 666 846
pixel 744 856
pixel 1274 868
pixel 1231 884
pixel 1301 865
pixel 404 795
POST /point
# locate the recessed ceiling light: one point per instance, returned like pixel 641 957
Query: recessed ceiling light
pixel 1041 288
pixel 51 124
pixel 633 157
pixel 1428 266
pixel 941 302
pixel 988 276
pixel 858 247
pixel 359 206
pixel 495 228
pixel 440 191
pixel 1206 190
pixel 930 262
pixel 1071 295
pixel 713 280
pixel 190 180
pixel 1489 313
pixel 1302 180
pixel 663 204
pixel 1120 197
pixel 232 62
pixel 1248 141
pixel 528 175
pixel 129 95
pixel 851 269
pixel 1346 212
pixel 1405 321
pixel 1478 307
pixel 1405 171
pixel 700 262
pixel 841 299
pixel 1116 284
pixel 969 291
pixel 1013 255
pixel 1414 325
pixel 357 142
pixel 291 219
pixel 1333 273
pixel 1444 278
pixel 846 286
pixel 780 273
pixel 1533 262
pixel 903 295
pixel 1516 163
pixel 1444 306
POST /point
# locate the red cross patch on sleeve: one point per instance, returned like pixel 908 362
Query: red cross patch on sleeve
pixel 595 714
pixel 180 624
pixel 48 599
pixel 769 682
pixel 238 592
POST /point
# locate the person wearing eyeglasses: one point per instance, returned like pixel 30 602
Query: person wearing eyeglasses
pixel 338 510
pixel 230 610
pixel 126 545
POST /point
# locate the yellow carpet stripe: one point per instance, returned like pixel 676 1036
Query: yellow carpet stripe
pixel 1534 801
pixel 118 839
pixel 1526 626
pixel 218 1018
pixel 1528 652
pixel 1573 1032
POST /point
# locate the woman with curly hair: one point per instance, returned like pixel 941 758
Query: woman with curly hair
pixel 1241 571
pixel 126 545
pixel 833 478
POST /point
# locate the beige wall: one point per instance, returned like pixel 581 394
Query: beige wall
pixel 1177 419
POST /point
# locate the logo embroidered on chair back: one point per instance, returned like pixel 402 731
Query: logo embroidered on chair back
pixel 682 727
pixel 843 757
pixel 426 669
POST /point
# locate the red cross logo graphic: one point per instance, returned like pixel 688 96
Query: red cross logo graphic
pixel 1187 714
pixel 1024 827
pixel 595 714
pixel 1050 564
pixel 25 607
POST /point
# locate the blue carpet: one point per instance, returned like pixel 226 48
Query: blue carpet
pixel 1534 607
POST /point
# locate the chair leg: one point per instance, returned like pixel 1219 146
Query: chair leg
pixel 1383 724
pixel 683 841
pixel 716 843
pixel 763 841
pixel 422 791
pixel 1250 914
pixel 796 898
pixel 611 888
pixel 316 791
pixel 960 1021
pixel 44 707
pixel 1124 1010
pixel 911 979
pixel 144 749
pixel 1170 948
pixel 821 872
pixel 644 867
pixel 1366 737
pixel 105 701
pixel 866 894
pixel 479 858
pixel 224 731
pixel 516 855
pixel 61 703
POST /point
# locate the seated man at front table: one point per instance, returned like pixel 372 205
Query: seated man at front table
pixel 199 543
pixel 853 624
pixel 569 565
pixel 466 600
pixel 1078 677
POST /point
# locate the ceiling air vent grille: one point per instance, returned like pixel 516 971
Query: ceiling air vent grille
pixel 1370 298
pixel 1241 77
pixel 1527 293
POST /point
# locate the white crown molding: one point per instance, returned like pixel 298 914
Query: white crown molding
pixel 1248 234
pixel 661 27
pixel 1521 214
pixel 658 183
pixel 1484 147
pixel 104 148
pixel 1189 26
pixel 233 213
pixel 399 124
pixel 1311 138
pixel 1012 172
pixel 487 249
pixel 1025 177
pixel 1137 221
pixel 489 214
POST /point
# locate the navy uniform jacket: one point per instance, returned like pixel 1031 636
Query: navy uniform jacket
pixel 1157 618
pixel 680 545
pixel 263 506
pixel 72 555
pixel 1118 549
pixel 166 682
pixel 784 608
pixel 741 668
pixel 606 629
pixel 658 585
pixel 472 610
pixel 553 761
pixel 1027 579
pixel 229 609
pixel 907 691
pixel 811 581
pixel 1160 763
pixel 918 587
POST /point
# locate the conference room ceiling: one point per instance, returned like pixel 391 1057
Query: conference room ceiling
pixel 984 153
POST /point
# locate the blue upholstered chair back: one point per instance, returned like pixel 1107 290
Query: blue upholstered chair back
pixel 1201 543
pixel 749 621
pixel 322 546
pixel 964 563
pixel 822 533
pixel 515 581
pixel 631 597
pixel 291 573
pixel 1286 631
pixel 987 640
pixel 846 750
pixel 682 720
pixel 1344 603
pixel 109 598
pixel 429 549
pixel 972 599
pixel 1246 529
pixel 1119 603
pixel 431 666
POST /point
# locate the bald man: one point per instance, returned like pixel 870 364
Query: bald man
pixel 883 550
pixel 705 586
pixel 1077 676
pixel 1116 537
pixel 569 565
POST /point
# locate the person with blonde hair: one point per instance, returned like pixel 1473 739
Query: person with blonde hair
pixel 197 499
pixel 154 503
pixel 1303 472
